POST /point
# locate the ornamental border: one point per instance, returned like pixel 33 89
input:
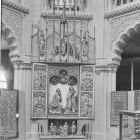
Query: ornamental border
pixel 123 10
pixel 69 16
pixel 15 6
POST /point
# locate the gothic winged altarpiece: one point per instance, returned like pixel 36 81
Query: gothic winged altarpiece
pixel 63 72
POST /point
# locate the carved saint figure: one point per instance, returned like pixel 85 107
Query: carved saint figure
pixel 52 130
pixel 64 49
pixel 73 128
pixel 65 129
pixel 71 100
pixel 85 48
pixel 56 104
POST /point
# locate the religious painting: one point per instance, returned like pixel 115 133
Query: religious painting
pixel 8 110
pixel 86 105
pixel 39 81
pixel 119 101
pixel 62 127
pixel 87 74
pixel 63 90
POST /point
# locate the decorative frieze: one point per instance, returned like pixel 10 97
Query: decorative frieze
pixel 16 6
pixel 69 16
pixel 120 24
pixel 127 8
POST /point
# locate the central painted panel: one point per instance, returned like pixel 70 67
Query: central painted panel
pixel 63 93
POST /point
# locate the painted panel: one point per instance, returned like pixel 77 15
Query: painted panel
pixel 63 88
pixel 86 105
pixel 119 101
pixel 87 92
pixel 8 110
pixel 39 88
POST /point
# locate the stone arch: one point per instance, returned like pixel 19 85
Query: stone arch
pixel 122 41
pixel 10 38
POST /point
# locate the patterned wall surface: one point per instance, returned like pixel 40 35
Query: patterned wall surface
pixel 119 101
pixel 39 88
pixel 8 110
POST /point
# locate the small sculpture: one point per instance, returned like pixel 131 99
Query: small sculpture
pixel 52 130
pixel 73 128
pixel 64 49
pixel 56 106
pixel 65 129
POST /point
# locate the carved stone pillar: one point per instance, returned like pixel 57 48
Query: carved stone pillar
pixel 22 82
pixel 105 83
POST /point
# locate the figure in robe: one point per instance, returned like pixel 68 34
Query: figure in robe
pixel 52 130
pixel 71 100
pixel 65 129
pixel 64 49
pixel 56 104
pixel 85 49
pixel 73 128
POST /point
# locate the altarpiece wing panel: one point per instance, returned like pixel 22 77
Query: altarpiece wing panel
pixel 39 88
pixel 87 92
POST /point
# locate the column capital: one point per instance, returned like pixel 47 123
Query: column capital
pixel 106 68
pixel 22 65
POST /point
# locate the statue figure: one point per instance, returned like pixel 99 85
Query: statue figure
pixel 56 104
pixel 85 48
pixel 71 100
pixel 52 130
pixel 64 49
pixel 65 129
pixel 73 128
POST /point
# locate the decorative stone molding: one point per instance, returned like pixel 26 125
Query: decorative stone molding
pixel 16 6
pixel 69 16
pixel 121 42
pixel 10 38
pixel 106 68
pixel 22 65
pixel 131 7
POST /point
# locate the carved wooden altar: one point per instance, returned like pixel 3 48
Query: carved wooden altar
pixel 63 75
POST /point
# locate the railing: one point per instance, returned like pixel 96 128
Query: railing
pixel 116 3
pixel 80 5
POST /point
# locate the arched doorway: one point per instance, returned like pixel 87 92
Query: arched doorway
pixel 127 54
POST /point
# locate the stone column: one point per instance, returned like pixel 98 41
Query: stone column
pixel 105 83
pixel 23 83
